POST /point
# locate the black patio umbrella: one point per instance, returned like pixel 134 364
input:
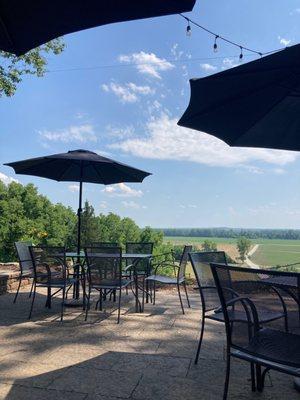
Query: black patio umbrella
pixel 28 24
pixel 79 166
pixel 256 104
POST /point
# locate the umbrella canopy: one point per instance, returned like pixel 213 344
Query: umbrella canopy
pixel 79 166
pixel 28 24
pixel 254 105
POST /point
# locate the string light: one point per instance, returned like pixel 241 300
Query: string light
pixel 241 54
pixel 219 37
pixel 188 29
pixel 215 44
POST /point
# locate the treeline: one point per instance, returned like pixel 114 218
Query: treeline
pixel 287 234
pixel 27 215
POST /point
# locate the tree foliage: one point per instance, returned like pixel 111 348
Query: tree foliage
pixel 243 245
pixel 27 215
pixel 209 245
pixel 13 68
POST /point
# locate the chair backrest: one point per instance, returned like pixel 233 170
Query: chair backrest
pixel 49 262
pixel 104 265
pixel 140 248
pixel 104 244
pixel 201 266
pixel 24 256
pixel 184 260
pixel 266 289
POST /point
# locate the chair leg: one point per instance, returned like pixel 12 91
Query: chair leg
pixel 227 376
pixel 186 294
pixel 201 337
pixel 180 299
pixel 259 378
pixel 30 293
pixel 62 304
pixel 263 377
pixel 88 304
pixel 100 300
pixel 253 384
pixel 32 301
pixel 119 305
pixel 154 292
pixel 143 298
pixel 16 295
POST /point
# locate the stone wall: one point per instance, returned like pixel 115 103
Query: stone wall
pixel 9 273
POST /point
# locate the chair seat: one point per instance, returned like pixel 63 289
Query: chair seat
pixel 274 346
pixel 57 283
pixel 112 284
pixel 240 316
pixel 164 279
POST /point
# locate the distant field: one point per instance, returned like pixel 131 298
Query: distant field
pixel 270 251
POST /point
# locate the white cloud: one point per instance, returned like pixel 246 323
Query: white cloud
pixel 187 206
pixel 165 140
pixel 176 52
pixel 74 188
pixel 229 63
pixel 208 67
pixel 75 133
pixel 147 63
pixel 122 190
pixel 132 204
pixel 284 41
pixel 103 205
pixel 7 179
pixel 128 93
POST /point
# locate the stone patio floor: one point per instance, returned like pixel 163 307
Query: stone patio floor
pixel 147 356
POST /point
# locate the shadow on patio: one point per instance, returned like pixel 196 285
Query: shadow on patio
pixel 147 356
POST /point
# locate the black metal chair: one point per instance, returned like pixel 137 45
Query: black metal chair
pixel 25 264
pixel 50 271
pixel 178 280
pixel 209 297
pixel 210 302
pixel 247 292
pixel 142 267
pixel 104 273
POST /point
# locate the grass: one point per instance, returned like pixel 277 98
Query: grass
pixel 270 251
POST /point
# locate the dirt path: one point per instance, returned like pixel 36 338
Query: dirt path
pixel 251 252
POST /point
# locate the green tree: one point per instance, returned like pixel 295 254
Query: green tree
pixel 209 245
pixel 243 246
pixel 13 68
pixel 89 226
pixel 150 235
pixel 27 215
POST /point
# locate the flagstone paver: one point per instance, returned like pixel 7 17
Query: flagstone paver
pixel 147 356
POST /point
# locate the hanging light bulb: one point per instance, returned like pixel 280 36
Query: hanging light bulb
pixel 241 55
pixel 188 29
pixel 215 44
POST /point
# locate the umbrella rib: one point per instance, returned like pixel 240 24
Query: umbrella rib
pixel 99 174
pixel 65 171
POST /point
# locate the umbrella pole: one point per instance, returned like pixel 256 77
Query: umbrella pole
pixel 79 211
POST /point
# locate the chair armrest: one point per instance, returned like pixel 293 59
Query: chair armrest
pixel 165 265
pixel 247 303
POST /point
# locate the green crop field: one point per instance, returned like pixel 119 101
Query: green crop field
pixel 269 252
pixel 196 240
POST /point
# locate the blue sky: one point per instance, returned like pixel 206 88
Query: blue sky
pixel 120 89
